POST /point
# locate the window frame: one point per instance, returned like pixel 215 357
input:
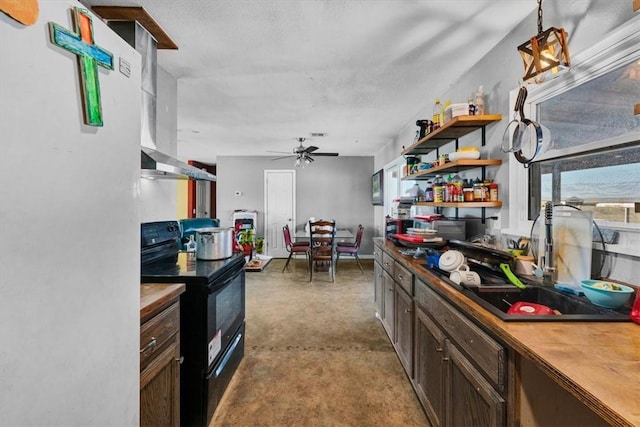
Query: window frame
pixel 599 59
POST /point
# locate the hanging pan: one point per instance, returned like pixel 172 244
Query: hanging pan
pixel 529 137
pixel 515 125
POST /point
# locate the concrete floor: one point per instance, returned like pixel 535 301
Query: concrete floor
pixel 315 355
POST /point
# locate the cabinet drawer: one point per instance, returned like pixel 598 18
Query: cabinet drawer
pixel 403 277
pixel 387 263
pixel 377 254
pixel 484 351
pixel 157 331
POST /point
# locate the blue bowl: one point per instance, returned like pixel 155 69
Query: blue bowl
pixel 606 294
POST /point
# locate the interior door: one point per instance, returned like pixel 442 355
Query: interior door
pixel 279 209
pixel 203 197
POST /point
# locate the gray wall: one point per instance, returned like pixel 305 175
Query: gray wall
pixel 332 187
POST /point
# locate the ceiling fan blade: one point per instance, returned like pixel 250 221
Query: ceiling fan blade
pixel 283 157
pixel 325 154
pixel 310 149
pixel 280 152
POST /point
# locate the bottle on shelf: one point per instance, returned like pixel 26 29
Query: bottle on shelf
pixel 458 195
pixel 437 108
pixel 438 189
pixel 480 107
pixel 472 106
pixel 428 193
pixel 467 189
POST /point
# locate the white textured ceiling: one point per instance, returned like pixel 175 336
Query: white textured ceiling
pixel 254 75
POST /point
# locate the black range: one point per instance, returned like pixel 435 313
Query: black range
pixel 212 313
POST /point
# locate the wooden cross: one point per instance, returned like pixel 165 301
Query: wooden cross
pixel 90 56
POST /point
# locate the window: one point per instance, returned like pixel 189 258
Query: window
pixel 595 156
pixel 594 160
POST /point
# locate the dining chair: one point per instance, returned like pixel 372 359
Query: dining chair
pixel 351 248
pixel 294 247
pixel 322 235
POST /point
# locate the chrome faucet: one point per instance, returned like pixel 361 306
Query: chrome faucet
pixel 549 276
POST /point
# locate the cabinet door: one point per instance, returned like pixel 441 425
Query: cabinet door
pixel 377 290
pixel 404 329
pixel 160 388
pixel 471 400
pixel 388 306
pixel 430 373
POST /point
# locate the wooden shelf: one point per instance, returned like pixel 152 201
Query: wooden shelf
pixel 452 130
pixel 497 204
pixel 455 166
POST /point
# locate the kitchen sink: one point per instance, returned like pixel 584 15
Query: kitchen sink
pixel 497 298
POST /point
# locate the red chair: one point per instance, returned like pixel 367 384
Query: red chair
pixel 294 247
pixel 351 248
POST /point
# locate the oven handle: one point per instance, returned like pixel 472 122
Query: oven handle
pixel 216 372
pixel 230 277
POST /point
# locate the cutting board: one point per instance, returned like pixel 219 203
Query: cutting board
pixel 572 243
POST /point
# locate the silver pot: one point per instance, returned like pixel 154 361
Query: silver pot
pixel 214 243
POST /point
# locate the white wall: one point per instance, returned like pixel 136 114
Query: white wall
pixel 69 221
pixel 332 187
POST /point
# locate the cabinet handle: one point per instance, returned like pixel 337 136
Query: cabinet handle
pixel 149 346
pixel 400 276
pixel 179 360
pixel 438 349
pixel 408 310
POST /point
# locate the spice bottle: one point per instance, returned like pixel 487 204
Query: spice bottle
pixel 493 192
pixel 467 189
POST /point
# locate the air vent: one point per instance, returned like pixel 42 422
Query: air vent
pixel 317 134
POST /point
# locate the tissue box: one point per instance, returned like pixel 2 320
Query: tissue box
pixel 455 110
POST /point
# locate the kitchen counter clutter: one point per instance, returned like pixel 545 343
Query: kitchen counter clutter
pixel 465 362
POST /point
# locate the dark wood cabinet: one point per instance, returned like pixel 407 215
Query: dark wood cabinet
pixel 388 289
pixel 470 398
pixel 378 294
pixel 160 355
pixel 403 341
pixel 430 374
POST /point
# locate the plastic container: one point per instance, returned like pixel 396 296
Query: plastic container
pixel 493 192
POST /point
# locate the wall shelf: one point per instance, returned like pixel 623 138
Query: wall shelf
pixel 455 166
pixel 452 130
pixel 496 204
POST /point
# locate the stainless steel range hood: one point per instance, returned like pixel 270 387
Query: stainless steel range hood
pixel 154 164
pixel 157 165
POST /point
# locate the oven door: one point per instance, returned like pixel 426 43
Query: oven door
pixel 226 308
pixel 220 375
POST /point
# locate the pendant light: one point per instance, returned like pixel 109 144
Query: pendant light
pixel 545 53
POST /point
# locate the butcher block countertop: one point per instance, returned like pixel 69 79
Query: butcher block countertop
pixel 155 296
pixel 597 362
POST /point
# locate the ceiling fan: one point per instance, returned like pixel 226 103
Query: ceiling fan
pixel 304 155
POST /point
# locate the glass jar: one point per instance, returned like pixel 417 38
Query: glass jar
pixel 479 192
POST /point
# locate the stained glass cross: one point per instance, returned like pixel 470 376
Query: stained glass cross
pixel 90 56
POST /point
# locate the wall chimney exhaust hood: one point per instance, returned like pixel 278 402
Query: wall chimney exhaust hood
pixel 144 34
pixel 156 165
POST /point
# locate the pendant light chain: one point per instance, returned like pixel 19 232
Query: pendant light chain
pixel 539 16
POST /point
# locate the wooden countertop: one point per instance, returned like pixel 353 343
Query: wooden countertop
pixel 154 296
pixel 597 362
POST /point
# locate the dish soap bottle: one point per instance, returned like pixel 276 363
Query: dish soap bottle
pixel 191 249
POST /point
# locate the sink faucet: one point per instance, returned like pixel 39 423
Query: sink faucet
pixel 549 272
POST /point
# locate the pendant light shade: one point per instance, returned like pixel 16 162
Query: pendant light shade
pixel 545 53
